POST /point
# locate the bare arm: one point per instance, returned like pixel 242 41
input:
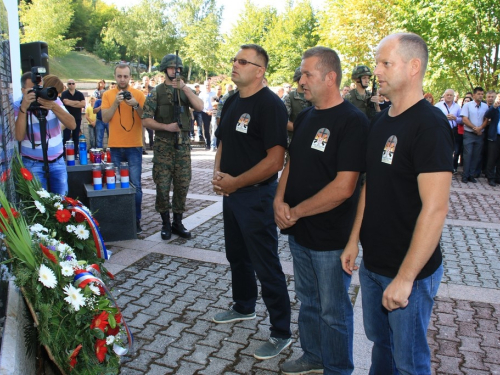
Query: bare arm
pixel 331 196
pixel 155 125
pixel 74 103
pixel 281 208
pixel 97 109
pixel 351 250
pixel 267 167
pixel 434 189
pixel 20 125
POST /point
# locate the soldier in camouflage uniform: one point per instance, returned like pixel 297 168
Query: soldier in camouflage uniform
pixel 295 103
pixel 171 162
pixel 361 97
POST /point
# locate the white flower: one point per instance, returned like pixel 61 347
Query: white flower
pixel 58 205
pixel 57 197
pixel 43 193
pixel 47 277
pixel 81 232
pixel 110 339
pixel 40 207
pixel 70 228
pixel 94 289
pixel 61 247
pixel 66 268
pixel 74 296
pixel 42 236
pixel 35 228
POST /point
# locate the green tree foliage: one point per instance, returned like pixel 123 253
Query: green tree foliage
pixel 144 29
pixel 107 50
pixel 252 26
pixel 48 21
pixel 199 22
pixel 291 33
pixel 463 40
pixel 354 29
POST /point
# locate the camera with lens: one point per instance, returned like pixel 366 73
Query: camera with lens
pixel 48 93
pixel 126 95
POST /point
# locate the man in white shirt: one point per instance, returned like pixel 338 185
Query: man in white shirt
pixel 207 97
pixel 472 116
pixel 452 112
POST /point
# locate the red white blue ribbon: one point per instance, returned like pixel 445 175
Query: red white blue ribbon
pixel 93 274
pixel 102 253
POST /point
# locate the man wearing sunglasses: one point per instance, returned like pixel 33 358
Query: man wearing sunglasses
pixel 74 101
pixel 253 138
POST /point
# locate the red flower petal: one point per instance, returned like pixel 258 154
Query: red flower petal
pixel 26 174
pixel 100 350
pixel 63 216
pixel 72 201
pixel 79 218
pixel 72 358
pixel 100 321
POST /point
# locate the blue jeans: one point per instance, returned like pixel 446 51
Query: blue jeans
pixel 473 146
pixel 199 122
pixel 251 240
pixel 99 128
pixel 399 337
pixel 326 315
pixel 92 136
pixel 58 176
pixel 133 155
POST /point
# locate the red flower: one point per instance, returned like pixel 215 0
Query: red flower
pixel 100 350
pixel 5 215
pixel 5 175
pixel 100 321
pixel 72 201
pixel 113 331
pixel 118 318
pixel 79 217
pixel 48 253
pixel 72 358
pixel 63 216
pixel 26 174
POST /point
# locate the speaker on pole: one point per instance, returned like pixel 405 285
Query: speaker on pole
pixel 34 54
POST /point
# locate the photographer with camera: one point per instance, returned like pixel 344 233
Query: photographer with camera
pixel 122 108
pixel 28 130
pixel 167 112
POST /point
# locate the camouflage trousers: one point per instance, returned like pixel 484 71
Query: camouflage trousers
pixel 171 166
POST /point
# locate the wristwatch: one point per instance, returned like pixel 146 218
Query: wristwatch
pixel 136 107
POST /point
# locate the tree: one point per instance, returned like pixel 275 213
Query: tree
pixel 107 50
pixel 48 21
pixel 199 23
pixel 463 40
pixel 354 29
pixel 290 35
pixel 144 29
pixel 252 26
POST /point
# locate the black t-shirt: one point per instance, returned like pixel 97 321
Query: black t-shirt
pixel 419 140
pixel 325 142
pixel 248 128
pixel 78 96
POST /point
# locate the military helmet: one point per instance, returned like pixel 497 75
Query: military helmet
pixel 360 71
pixel 169 61
pixel 297 75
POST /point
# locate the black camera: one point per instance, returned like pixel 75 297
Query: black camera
pixel 48 93
pixel 126 95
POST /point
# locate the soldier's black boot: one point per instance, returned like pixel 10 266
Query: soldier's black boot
pixel 178 228
pixel 166 229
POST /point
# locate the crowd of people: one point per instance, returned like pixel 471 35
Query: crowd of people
pixel 347 155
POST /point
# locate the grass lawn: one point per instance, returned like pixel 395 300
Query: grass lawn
pixel 80 66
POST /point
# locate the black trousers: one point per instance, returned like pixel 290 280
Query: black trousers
pixel 493 160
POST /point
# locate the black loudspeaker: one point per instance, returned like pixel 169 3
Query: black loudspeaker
pixel 34 54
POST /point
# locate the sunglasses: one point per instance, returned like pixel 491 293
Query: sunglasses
pixel 244 62
pixel 71 83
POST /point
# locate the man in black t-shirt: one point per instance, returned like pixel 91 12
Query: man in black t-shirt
pixel 74 101
pixel 252 134
pixel 315 205
pixel 401 212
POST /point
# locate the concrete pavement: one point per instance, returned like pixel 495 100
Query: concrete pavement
pixel 170 290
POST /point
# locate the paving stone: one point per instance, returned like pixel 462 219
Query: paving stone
pixel 229 350
pixel 160 370
pixel 449 365
pixel 187 341
pixel 216 366
pixel 142 359
pixel 200 354
pixel 473 360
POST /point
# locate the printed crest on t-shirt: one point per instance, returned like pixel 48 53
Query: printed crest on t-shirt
pixel 321 139
pixel 389 149
pixel 242 125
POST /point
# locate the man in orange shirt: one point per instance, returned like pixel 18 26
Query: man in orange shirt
pixel 122 108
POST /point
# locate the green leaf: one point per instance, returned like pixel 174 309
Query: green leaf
pixel 98 333
pixel 112 321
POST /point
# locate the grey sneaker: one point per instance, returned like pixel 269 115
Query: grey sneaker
pixel 272 348
pixel 232 316
pixel 300 366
